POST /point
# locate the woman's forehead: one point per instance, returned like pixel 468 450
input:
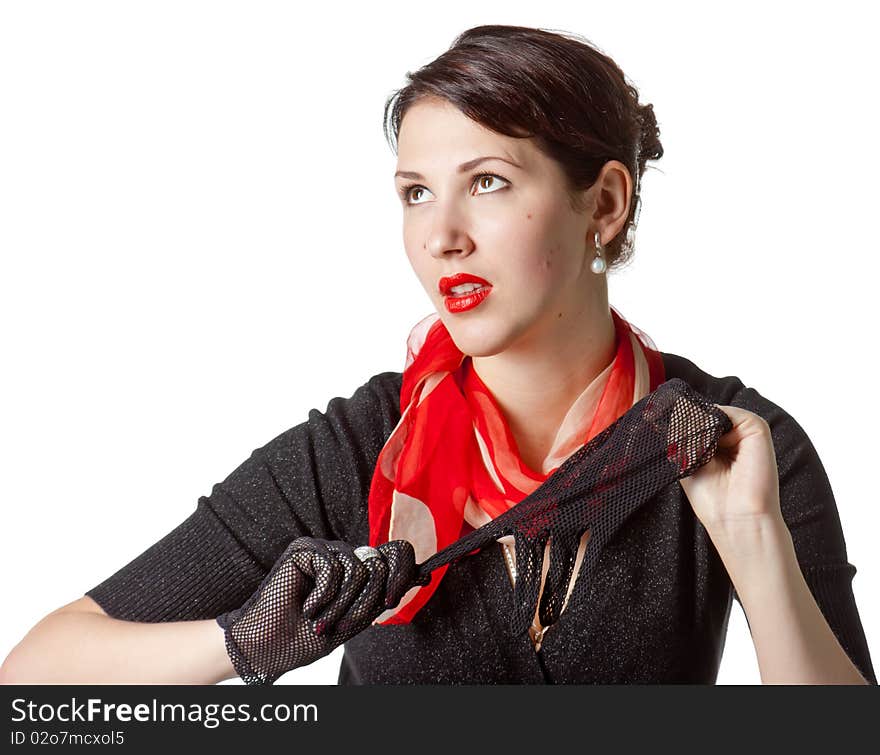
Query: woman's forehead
pixel 444 136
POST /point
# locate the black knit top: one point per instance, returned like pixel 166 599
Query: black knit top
pixel 657 611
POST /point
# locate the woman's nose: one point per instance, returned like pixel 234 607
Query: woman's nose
pixel 447 240
pixel 439 250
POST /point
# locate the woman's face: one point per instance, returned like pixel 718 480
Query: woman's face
pixel 507 220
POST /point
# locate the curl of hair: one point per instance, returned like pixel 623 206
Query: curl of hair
pixel 554 86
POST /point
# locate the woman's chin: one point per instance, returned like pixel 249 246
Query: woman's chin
pixel 478 339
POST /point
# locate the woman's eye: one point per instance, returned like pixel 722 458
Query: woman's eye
pixel 488 177
pixel 413 190
pixel 483 181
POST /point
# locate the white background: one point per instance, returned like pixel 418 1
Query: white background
pixel 200 242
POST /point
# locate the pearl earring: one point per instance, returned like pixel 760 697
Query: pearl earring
pixel 598 264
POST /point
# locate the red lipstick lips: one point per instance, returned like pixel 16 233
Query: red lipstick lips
pixel 463 301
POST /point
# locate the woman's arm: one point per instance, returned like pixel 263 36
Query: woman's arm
pixel 154 620
pixel 793 641
pixel 769 509
pixel 80 644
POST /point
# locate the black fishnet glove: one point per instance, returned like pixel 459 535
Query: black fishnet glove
pixel 317 595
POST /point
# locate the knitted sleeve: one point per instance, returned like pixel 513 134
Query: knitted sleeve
pixel 312 480
pixel 810 512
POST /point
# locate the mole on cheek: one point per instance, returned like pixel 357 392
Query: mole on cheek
pixel 529 216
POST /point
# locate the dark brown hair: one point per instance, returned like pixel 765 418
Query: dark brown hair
pixel 553 86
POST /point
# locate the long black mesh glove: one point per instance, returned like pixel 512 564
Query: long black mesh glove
pixel 666 436
pixel 318 594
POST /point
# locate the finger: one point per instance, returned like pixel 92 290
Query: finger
pixel 402 571
pixel 369 603
pixel 355 576
pixel 328 578
pixel 745 423
pixel 297 564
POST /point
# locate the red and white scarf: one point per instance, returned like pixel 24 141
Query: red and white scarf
pixel 451 463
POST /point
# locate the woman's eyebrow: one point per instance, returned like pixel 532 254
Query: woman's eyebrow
pixel 463 168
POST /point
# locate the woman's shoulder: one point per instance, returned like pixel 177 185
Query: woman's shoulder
pixel 385 384
pixel 720 390
pixel 789 437
pixel 374 403
pixel 803 480
pixel 728 390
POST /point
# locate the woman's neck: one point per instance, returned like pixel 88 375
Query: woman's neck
pixel 535 388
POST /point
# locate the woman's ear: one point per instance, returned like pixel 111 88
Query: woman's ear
pixel 612 190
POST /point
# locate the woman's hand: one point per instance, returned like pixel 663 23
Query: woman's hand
pixel 318 594
pixel 739 487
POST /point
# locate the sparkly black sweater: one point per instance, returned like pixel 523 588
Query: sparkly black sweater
pixel 657 611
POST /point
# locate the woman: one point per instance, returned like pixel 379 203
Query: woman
pixel 520 155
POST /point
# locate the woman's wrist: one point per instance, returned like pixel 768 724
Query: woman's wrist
pixel 223 663
pixel 742 541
